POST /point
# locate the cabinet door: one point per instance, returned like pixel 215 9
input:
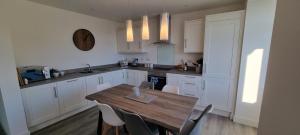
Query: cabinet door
pixel 132 77
pixel 41 103
pixel 173 80
pixel 118 77
pixel 122 45
pixel 71 95
pixel 142 76
pixel 194 36
pixel 106 78
pixel 222 40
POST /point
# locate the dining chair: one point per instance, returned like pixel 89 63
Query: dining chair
pixel 110 117
pixel 146 85
pixel 194 126
pixel 171 89
pixel 136 125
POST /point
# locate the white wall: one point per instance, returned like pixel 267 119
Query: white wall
pixel 12 115
pixel 255 53
pixel 177 33
pixel 42 35
pixel 280 108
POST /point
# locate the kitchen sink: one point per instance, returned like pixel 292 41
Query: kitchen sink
pixel 87 72
pixel 102 69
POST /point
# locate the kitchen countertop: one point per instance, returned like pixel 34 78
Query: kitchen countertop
pixel 110 68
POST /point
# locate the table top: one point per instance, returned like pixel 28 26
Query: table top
pixel 168 110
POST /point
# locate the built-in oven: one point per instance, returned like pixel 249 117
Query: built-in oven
pixel 158 81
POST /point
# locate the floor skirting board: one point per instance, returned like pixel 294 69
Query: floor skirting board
pixel 245 121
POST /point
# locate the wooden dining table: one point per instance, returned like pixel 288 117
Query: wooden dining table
pixel 168 111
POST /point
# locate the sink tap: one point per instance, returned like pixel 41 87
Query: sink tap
pixel 89 67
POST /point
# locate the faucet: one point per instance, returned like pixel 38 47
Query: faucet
pixel 89 67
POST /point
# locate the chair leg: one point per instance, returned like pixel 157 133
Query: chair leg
pixel 117 130
pixel 105 128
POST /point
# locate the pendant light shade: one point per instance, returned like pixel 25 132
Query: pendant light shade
pixel 164 26
pixel 145 28
pixel 129 31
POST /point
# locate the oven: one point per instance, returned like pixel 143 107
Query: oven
pixel 158 81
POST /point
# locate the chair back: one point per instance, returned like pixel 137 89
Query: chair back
pixel 171 89
pixel 198 124
pixel 146 85
pixel 109 115
pixel 135 124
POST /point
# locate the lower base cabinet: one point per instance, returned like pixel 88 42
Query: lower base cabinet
pixel 71 95
pixel 41 103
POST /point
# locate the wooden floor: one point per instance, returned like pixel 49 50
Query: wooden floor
pixel 85 123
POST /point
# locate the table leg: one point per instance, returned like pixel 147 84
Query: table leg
pixel 100 121
pixel 162 130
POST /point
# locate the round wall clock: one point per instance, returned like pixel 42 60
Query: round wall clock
pixel 83 40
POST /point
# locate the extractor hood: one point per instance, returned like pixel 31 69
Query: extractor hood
pixel 164 30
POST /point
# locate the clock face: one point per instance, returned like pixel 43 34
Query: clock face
pixel 83 40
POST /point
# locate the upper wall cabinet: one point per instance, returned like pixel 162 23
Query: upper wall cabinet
pixel 137 46
pixel 193 36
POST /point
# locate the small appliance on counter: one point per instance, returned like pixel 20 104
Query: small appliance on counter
pixel 134 62
pixel 123 63
pixel 34 73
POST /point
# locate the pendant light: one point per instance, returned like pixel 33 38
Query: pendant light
pixel 129 31
pixel 145 28
pixel 164 26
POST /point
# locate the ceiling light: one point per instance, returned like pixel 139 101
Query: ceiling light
pixel 164 26
pixel 129 31
pixel 145 28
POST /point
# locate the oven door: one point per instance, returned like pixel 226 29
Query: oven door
pixel 158 81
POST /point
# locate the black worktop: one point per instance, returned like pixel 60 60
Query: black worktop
pixel 72 74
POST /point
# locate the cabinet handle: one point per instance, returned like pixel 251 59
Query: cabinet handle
pixel 190 83
pixel 203 85
pixel 72 80
pixel 189 94
pixel 123 75
pixel 102 80
pixel 55 92
pixel 204 67
pixel 185 43
pixel 99 81
pixel 190 77
pixel 140 45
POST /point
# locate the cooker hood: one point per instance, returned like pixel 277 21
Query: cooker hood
pixel 164 20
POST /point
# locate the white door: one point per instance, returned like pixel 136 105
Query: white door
pixel 122 45
pixel 71 94
pixel 222 43
pixel 194 36
pixel 41 103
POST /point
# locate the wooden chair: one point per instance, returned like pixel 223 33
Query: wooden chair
pixel 110 117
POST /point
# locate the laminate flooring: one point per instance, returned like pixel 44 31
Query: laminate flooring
pixel 85 123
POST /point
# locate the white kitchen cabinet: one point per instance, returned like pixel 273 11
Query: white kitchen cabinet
pixel 71 95
pixel 223 36
pixel 40 103
pixel 194 36
pixel 118 77
pixel 136 77
pixel 188 85
pixel 137 46
pixel 122 45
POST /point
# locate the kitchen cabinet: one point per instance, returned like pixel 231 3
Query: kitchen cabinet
pixel 194 36
pixel 137 46
pixel 223 38
pixel 118 77
pixel 136 77
pixel 71 95
pixel 188 86
pixel 40 103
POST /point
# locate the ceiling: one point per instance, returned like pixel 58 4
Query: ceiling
pixel 119 10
